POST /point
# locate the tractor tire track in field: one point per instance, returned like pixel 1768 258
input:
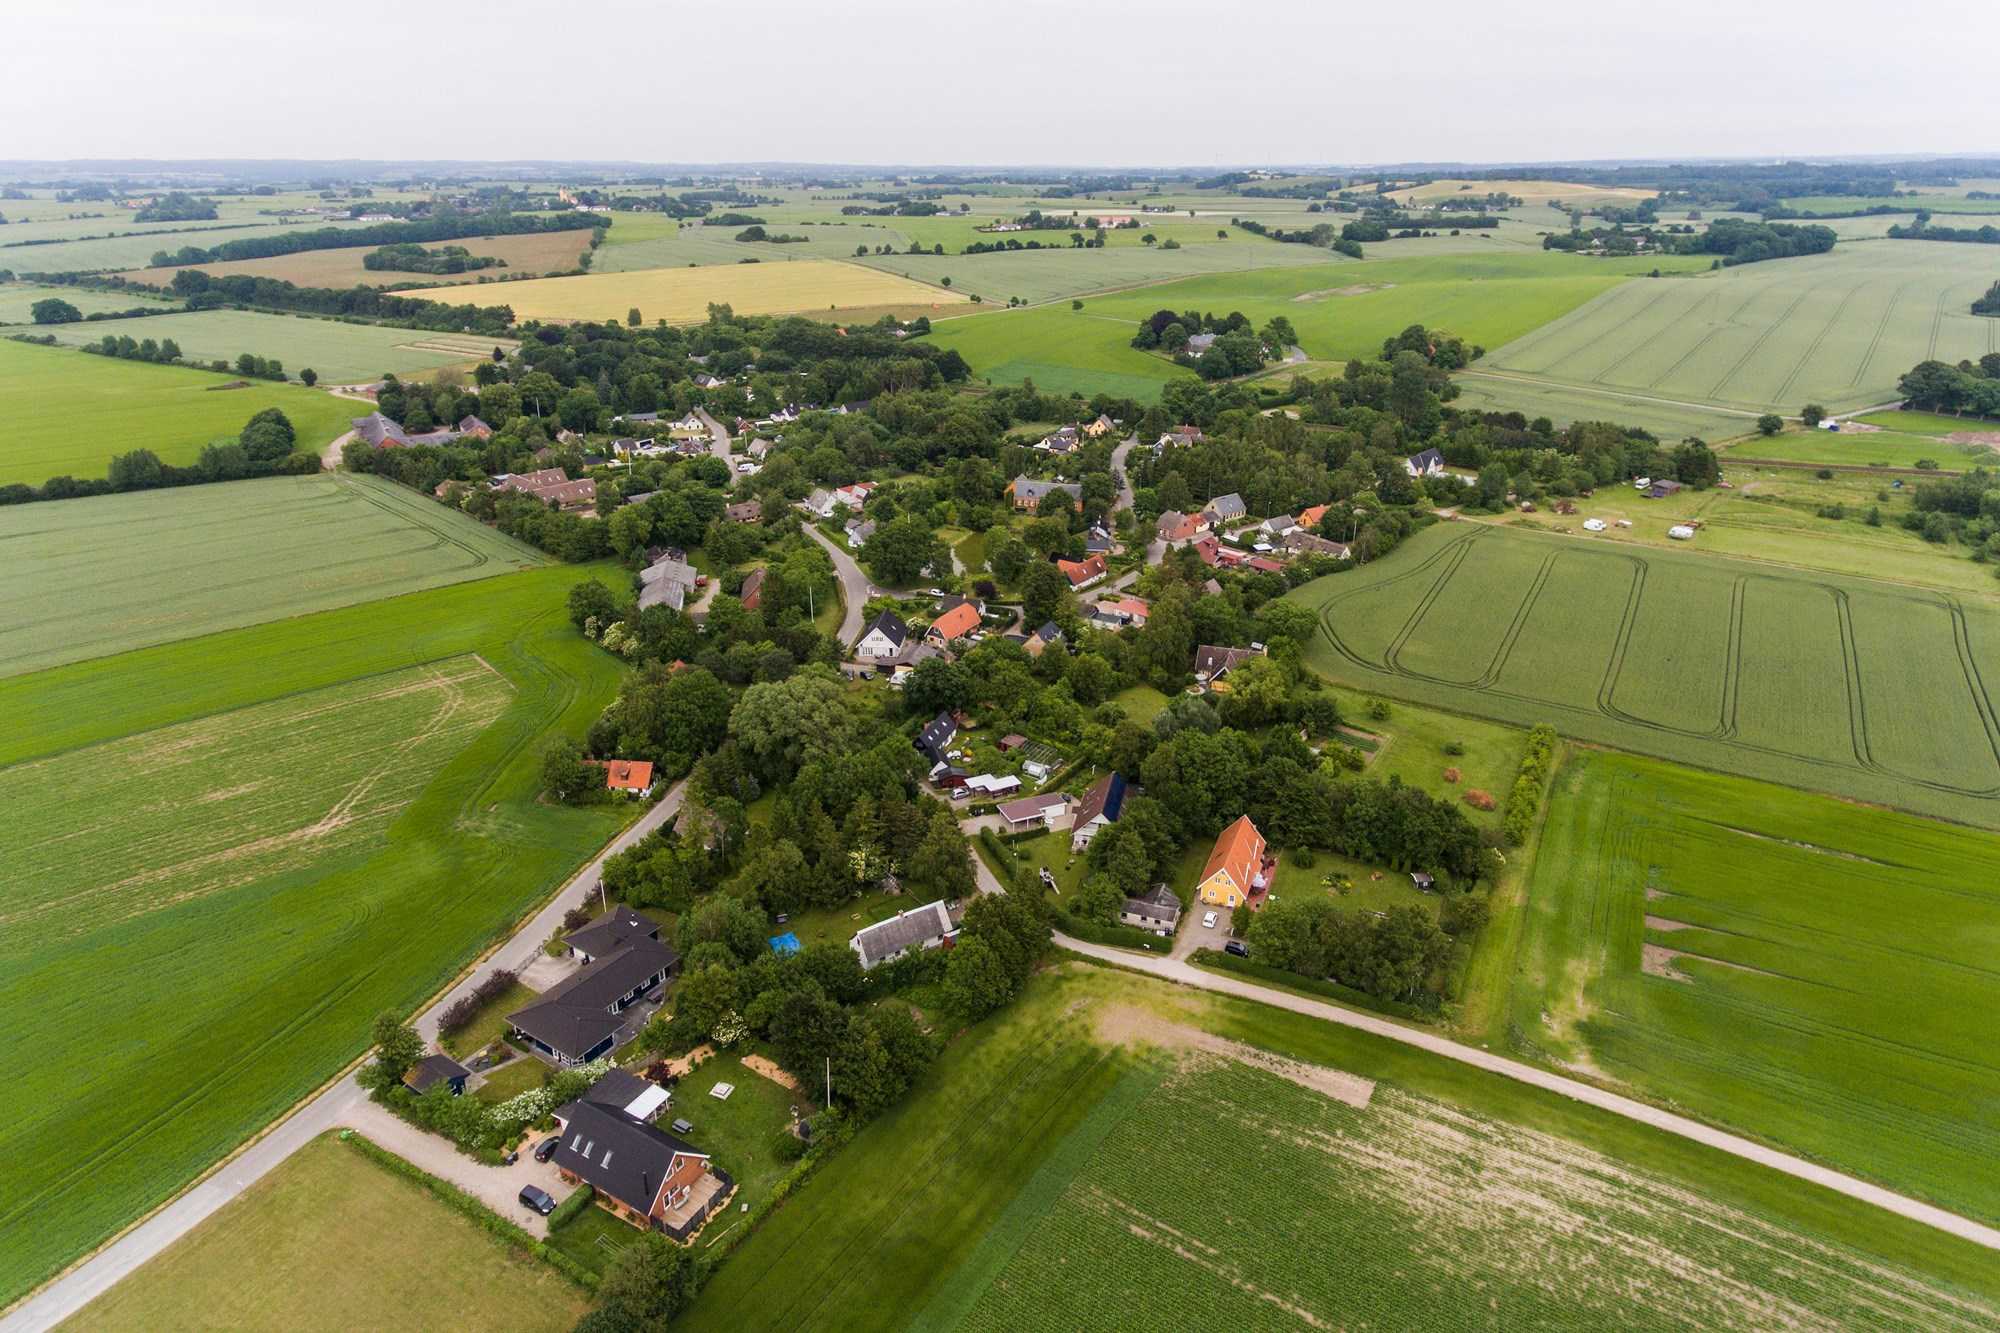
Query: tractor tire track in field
pixel 1666 289
pixel 1812 349
pixel 1718 325
pixel 1881 329
pixel 1758 342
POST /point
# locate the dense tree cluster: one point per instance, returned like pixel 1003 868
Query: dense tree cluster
pixel 1739 242
pixel 445 226
pixel 177 206
pixel 267 446
pixel 410 257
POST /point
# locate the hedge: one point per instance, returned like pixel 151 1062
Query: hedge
pixel 579 1199
pixel 1117 936
pixel 1332 990
pixel 1526 798
pixel 471 1208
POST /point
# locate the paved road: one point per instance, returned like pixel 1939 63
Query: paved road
pixel 342 1103
pixel 1708 1136
pixel 855 588
pixel 1118 474
pixel 718 442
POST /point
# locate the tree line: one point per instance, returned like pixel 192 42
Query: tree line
pixel 448 226
pixel 266 446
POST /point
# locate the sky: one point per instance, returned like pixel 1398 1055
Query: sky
pixel 1003 82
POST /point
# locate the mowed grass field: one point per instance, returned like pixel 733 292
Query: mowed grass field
pixel 540 252
pixel 69 413
pixel 17 303
pixel 1052 274
pixel 341 353
pixel 92 577
pixel 314 820
pixel 1116 1153
pixel 335 1235
pixel 113 244
pixel 1877 448
pixel 1341 311
pixel 1836 329
pixel 1817 973
pixel 1870 690
pixel 683 295
pixel 1490 391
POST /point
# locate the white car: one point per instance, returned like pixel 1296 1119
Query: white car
pixel 1208 921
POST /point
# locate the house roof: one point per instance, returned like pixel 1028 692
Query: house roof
pixel 747 512
pixel 1423 459
pixel 1029 489
pixel 620 925
pixel 891 625
pixel 1237 853
pixel 1050 632
pixel 1033 807
pixel 1156 901
pixel 532 481
pixel 378 429
pixel 620 1090
pixel 432 1070
pixel 1174 526
pixel 574 1015
pixel 619 1155
pixel 1105 799
pixel 937 734
pixel 1211 661
pixel 1226 507
pixel 1082 571
pixel 753 583
pixel 956 623
pixel 626 774
pixel 886 939
pixel 1208 548
pixel 1309 518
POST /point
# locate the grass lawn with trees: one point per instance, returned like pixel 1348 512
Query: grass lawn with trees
pixel 742 1132
pixel 337 351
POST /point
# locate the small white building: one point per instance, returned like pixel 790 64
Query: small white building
pixel 1681 532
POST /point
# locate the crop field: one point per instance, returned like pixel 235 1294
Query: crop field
pixel 1485 391
pixel 1529 191
pixel 122 244
pixel 541 252
pixel 1112 1154
pixel 66 594
pixel 1867 689
pixel 1818 973
pixel 333 1233
pixel 68 413
pixel 1941 203
pixel 1836 329
pixel 342 353
pixel 1876 448
pixel 17 300
pixel 1049 275
pixel 642 241
pixel 1341 310
pixel 682 295
pixel 318 819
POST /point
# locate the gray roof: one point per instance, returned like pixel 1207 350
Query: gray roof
pixel 906 930
pixel 375 428
pixel 891 625
pixel 620 925
pixel 575 1015
pixel 1211 661
pixel 937 735
pixel 1226 507
pixel 431 1070
pixel 1029 488
pixel 618 1155
pixel 666 580
pixel 1422 460
pixel 1158 902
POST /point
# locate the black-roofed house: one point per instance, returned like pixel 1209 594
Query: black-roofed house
pixel 583 1016
pixel 936 737
pixel 619 926
pixel 432 1070
pixel 1427 463
pixel 640 1173
pixel 884 637
pixel 1155 909
pixel 1211 663
pixel 1099 809
pixel 626 1092
pixel 924 927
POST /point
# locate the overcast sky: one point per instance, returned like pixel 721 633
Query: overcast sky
pixel 1075 82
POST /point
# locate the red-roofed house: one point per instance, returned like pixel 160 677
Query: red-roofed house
pixel 1309 518
pixel 627 775
pixel 1235 868
pixel 957 623
pixel 1083 573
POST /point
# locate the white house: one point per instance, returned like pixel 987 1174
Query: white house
pixel 1429 463
pixel 884 637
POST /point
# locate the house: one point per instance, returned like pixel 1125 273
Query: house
pixel 624 1092
pixel 1211 587
pixel 708 381
pixel 611 932
pixel 1279 526
pixel 751 594
pixel 1178 529
pixel 1186 435
pixel 911 658
pixel 855 495
pixel 1424 883
pixel 580 494
pixel 1030 811
pixel 1098 810
pixel 988 784
pixel 1028 493
pixel 958 623
pixel 1211 663
pixel 1064 441
pixel 1309 518
pixel 884 637
pixel 640 1173
pixel 925 927
pixel 1264 564
pixel 1224 509
pixel 820 503
pixel 1099 541
pixel 934 741
pixel 627 775
pixel 1101 427
pixel 1156 909
pixel 750 511
pixel 1118 613
pixel 529 482
pixel 859 530
pixel 1234 868
pixel 1301 542
pixel 691 424
pixel 432 1070
pixel 378 430
pixel 1083 573
pixel 1429 463
pixel 758 448
pixel 1209 549
pixel 1042 639
pixel 1199 343
pixel 473 426
pixel 583 1016
pixel 1662 489
pixel 667 581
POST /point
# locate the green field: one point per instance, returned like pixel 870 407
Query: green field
pixel 1106 1156
pixel 314 820
pixel 68 413
pixel 119 249
pixel 641 240
pixel 341 353
pixel 1488 391
pixel 1884 448
pixel 1048 275
pixel 334 1234
pixel 1814 972
pixel 1870 690
pixel 196 560
pixel 1341 311
pixel 1836 329
pixel 17 303
pixel 1936 203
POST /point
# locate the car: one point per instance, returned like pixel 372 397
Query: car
pixel 1237 947
pixel 547 1147
pixel 1208 920
pixel 537 1200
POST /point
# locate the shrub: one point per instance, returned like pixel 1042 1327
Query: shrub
pixel 1478 799
pixel 787 1146
pixel 462 1011
pixel 1303 858
pixel 566 1211
pixel 1454 748
pixel 1526 797
pixel 1451 775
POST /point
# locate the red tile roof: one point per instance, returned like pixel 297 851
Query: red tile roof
pixel 956 623
pixel 1238 853
pixel 626 774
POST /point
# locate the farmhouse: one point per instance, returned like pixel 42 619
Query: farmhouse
pixel 667 581
pixel 1030 811
pixel 1083 573
pixel 583 1017
pixel 1429 463
pixel 958 623
pixel 1235 868
pixel 1156 909
pixel 1099 810
pixel 580 494
pixel 884 637
pixel 432 1070
pixel 1028 493
pixel 529 482
pixel 642 1174
pixel 632 776
pixel 751 594
pixel 925 927
pixel 617 928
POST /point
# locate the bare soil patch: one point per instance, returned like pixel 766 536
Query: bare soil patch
pixel 1352 289
pixel 1124 1024
pixel 768 1068
pixel 1985 439
pixel 1666 924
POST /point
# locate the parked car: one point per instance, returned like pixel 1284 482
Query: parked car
pixel 1237 947
pixel 1208 921
pixel 538 1200
pixel 547 1147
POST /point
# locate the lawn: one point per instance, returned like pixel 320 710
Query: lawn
pixel 521 1074
pixel 1449 1195
pixel 1878 448
pixel 741 1132
pixel 1141 703
pixel 1413 750
pixel 317 819
pixel 533 252
pixel 683 295
pixel 333 1235
pixel 489 1025
pixel 340 352
pixel 67 591
pixel 68 413
pixel 1866 689
pixel 1801 968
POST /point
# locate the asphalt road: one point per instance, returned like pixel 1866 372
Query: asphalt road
pixel 1124 500
pixel 341 1103
pixel 855 589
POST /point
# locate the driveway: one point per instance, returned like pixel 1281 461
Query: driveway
pixel 1119 475
pixel 498 1187
pixel 1193 935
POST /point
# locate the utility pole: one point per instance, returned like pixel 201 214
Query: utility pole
pixel 829 1082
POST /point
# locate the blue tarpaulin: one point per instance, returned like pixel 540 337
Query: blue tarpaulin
pixel 785 943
